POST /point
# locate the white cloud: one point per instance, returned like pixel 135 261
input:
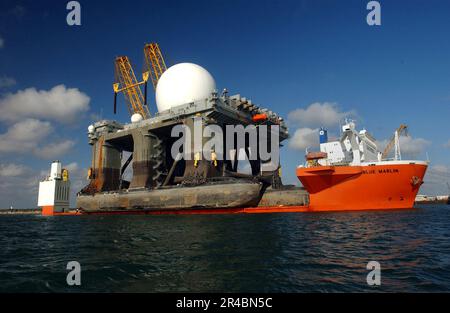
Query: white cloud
pixel 318 114
pixel 18 186
pixel 413 146
pixel 72 167
pixel 54 150
pixel 6 82
pixel 304 138
pixel 27 137
pixel 409 146
pixel 440 169
pixel 24 136
pixel 59 103
pixel 436 179
pixel 12 170
pixel 447 144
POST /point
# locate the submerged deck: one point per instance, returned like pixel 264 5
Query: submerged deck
pixel 254 210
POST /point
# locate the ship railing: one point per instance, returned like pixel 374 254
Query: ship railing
pixel 389 159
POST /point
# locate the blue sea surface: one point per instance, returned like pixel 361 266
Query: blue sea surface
pixel 284 252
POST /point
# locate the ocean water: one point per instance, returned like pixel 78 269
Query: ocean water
pixel 290 252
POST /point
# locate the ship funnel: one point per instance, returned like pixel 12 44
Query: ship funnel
pixel 55 170
pixel 323 135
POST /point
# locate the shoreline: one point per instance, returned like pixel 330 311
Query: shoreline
pixel 20 211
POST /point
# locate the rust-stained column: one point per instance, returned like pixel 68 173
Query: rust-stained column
pixel 105 167
pixel 111 167
pixel 198 168
pixel 142 159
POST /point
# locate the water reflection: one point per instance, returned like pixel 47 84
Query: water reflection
pixel 228 253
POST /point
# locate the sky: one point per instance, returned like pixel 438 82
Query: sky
pixel 315 62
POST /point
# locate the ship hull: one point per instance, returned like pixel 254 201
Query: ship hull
pixel 204 197
pixel 380 186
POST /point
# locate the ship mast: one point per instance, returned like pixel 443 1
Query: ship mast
pixel 397 153
pixel 395 141
pixel 127 83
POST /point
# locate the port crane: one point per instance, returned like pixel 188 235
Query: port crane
pixel 154 62
pixel 126 82
pixel 395 141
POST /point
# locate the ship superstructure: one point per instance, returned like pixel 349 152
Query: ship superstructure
pixel 54 190
pixel 350 174
pixel 353 147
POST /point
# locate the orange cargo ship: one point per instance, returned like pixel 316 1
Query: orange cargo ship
pixel 383 185
pixel 349 174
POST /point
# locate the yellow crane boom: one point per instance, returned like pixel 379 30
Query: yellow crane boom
pixel 402 129
pixel 127 83
pixel 154 62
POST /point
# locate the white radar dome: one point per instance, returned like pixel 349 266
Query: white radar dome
pixel 136 117
pixel 183 83
pixel 91 129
